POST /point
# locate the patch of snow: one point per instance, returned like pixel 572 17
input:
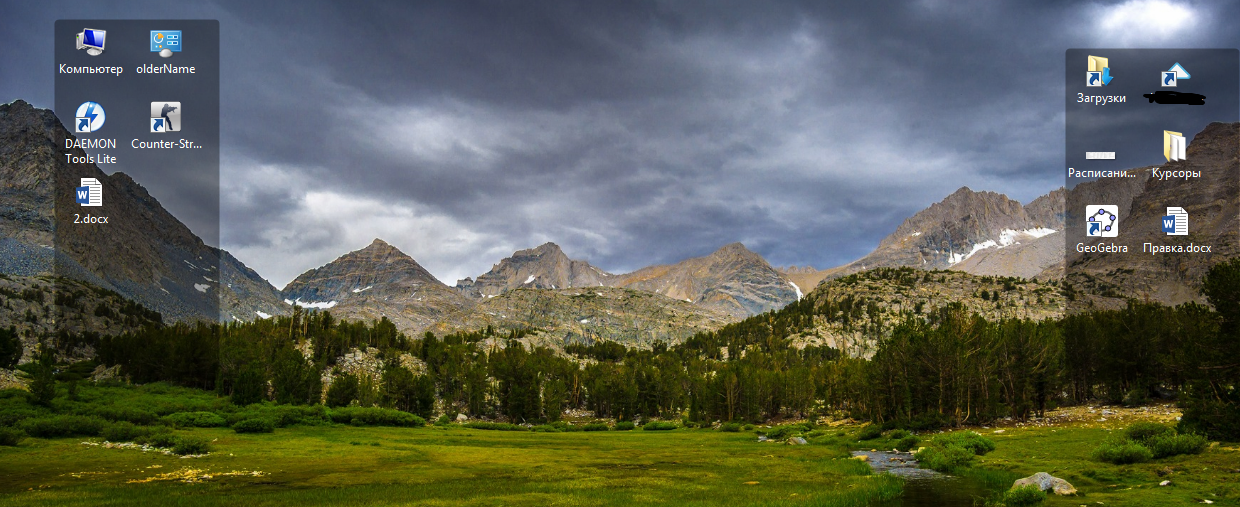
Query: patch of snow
pixel 207 279
pixel 798 289
pixel 262 315
pixel 585 321
pixel 317 304
pixel 201 287
pixel 288 302
pixel 915 234
pixel 368 287
pixel 190 264
pixel 528 280
pixel 956 258
pixel 1007 237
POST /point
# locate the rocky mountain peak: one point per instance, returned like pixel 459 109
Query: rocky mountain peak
pixel 546 248
pixel 543 267
pixel 733 249
pixel 733 279
pixel 964 224
pixel 376 281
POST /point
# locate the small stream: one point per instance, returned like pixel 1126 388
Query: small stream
pixel 923 487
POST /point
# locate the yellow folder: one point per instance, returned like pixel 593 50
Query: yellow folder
pixel 1097 63
pixel 1170 148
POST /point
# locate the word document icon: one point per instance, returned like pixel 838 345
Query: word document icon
pixel 1176 221
pixel 90 193
pixel 1102 221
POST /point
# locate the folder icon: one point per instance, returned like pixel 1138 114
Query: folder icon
pixel 1175 147
pixel 1097 63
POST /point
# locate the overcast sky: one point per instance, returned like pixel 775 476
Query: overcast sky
pixel 630 133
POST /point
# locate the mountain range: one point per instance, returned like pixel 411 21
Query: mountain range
pixel 168 269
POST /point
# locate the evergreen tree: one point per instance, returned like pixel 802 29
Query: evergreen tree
pixel 343 391
pixel 10 347
pixel 250 387
pixel 43 386
pixel 293 379
pixel 554 393
pixel 1211 399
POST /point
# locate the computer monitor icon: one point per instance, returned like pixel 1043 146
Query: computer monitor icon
pixel 92 41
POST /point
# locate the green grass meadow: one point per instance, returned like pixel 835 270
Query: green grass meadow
pixel 1064 451
pixel 345 465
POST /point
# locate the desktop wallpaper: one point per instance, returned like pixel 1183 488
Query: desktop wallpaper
pixel 672 253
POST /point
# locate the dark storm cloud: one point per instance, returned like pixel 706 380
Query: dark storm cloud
pixel 635 132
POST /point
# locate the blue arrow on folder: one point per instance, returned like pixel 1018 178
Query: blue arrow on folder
pixel 1106 76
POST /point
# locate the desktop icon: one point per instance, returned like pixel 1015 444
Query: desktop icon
pixel 165 117
pixel 165 42
pixel 91 40
pixel 1175 146
pixel 1171 77
pixel 1176 222
pixel 89 117
pixel 1099 74
pixel 1102 221
pixel 90 193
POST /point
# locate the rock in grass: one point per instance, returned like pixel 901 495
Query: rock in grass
pixel 1046 482
pixel 796 441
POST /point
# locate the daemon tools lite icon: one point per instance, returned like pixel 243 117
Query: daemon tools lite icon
pixel 165 117
pixel 1175 146
pixel 1176 222
pixel 89 117
pixel 1102 221
pixel 91 40
pixel 1099 73
pixel 165 42
pixel 90 193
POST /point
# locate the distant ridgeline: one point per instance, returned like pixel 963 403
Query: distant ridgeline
pixel 976 353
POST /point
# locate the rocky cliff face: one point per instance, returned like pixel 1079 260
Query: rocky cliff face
pixel 376 281
pixel 803 278
pixel 545 267
pixel 953 231
pixel 143 252
pixel 38 307
pixel 846 322
pixel 588 314
pixel 244 295
pixel 733 280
